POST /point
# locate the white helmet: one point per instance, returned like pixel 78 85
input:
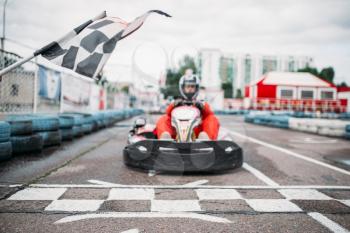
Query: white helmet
pixel 189 79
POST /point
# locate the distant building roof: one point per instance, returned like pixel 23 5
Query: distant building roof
pixel 293 79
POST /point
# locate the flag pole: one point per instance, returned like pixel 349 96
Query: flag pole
pixel 16 64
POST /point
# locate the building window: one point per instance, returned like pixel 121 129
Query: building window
pixel 327 94
pixel 307 94
pixel 291 66
pixel 14 90
pixel 269 65
pixel 286 94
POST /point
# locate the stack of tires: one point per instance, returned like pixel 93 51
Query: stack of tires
pixel 279 121
pixel 22 138
pixel 66 124
pixel 347 132
pixel 78 120
pixel 48 128
pixel 99 119
pixel 88 123
pixel 5 144
pixel 21 134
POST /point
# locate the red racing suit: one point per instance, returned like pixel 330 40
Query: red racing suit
pixel 210 124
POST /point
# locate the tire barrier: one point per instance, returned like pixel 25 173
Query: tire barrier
pixel 78 131
pixel 25 144
pixel 67 134
pixel 231 112
pixel 66 122
pixel 86 128
pixel 30 133
pixel 51 138
pixel 326 127
pixel 46 123
pixel 5 131
pixel 5 150
pixel 20 124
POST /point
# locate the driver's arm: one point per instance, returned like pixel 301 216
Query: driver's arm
pixel 169 109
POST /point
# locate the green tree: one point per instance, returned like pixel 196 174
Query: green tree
pixel 239 94
pixel 173 76
pixel 310 70
pixel 227 87
pixel 342 84
pixel 327 74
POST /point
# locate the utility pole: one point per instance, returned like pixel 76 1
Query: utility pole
pixel 2 62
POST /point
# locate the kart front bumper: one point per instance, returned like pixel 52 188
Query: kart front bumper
pixel 161 155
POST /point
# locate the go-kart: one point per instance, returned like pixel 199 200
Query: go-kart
pixel 183 154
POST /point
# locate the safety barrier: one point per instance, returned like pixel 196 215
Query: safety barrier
pixel 5 144
pixel 31 133
pixel 231 112
pixel 327 127
pixel 347 131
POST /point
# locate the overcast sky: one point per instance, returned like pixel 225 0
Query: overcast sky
pixel 316 28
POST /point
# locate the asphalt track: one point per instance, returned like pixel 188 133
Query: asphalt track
pixel 290 182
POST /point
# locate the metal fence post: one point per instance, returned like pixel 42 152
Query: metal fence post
pixel 35 107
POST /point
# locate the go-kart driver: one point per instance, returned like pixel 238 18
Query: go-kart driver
pixel 189 88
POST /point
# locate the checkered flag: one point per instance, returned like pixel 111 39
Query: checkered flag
pixel 87 48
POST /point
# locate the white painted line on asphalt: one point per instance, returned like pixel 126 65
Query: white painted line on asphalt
pixel 305 194
pixel 203 217
pixel 42 194
pixel 131 231
pixel 345 202
pixel 131 194
pixel 331 225
pixel 11 185
pixel 191 187
pixel 217 194
pixel 196 183
pixel 175 205
pixel 272 205
pixel 297 155
pixel 261 176
pixel 100 182
pixel 74 205
pixel 15 185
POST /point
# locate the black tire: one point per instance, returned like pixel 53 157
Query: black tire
pixel 67 134
pixel 347 128
pixel 94 126
pixel 42 124
pixel 100 124
pixel 77 131
pixel 66 122
pixel 78 118
pixel 5 131
pixel 87 128
pixel 5 151
pixel 51 138
pixel 23 144
pixel 20 126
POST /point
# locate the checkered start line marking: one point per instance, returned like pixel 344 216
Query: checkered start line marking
pixel 194 207
pixel 193 204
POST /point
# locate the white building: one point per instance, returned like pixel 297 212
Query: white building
pixel 209 64
pixel 241 69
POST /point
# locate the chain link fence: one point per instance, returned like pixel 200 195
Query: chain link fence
pixel 17 87
pixel 36 88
